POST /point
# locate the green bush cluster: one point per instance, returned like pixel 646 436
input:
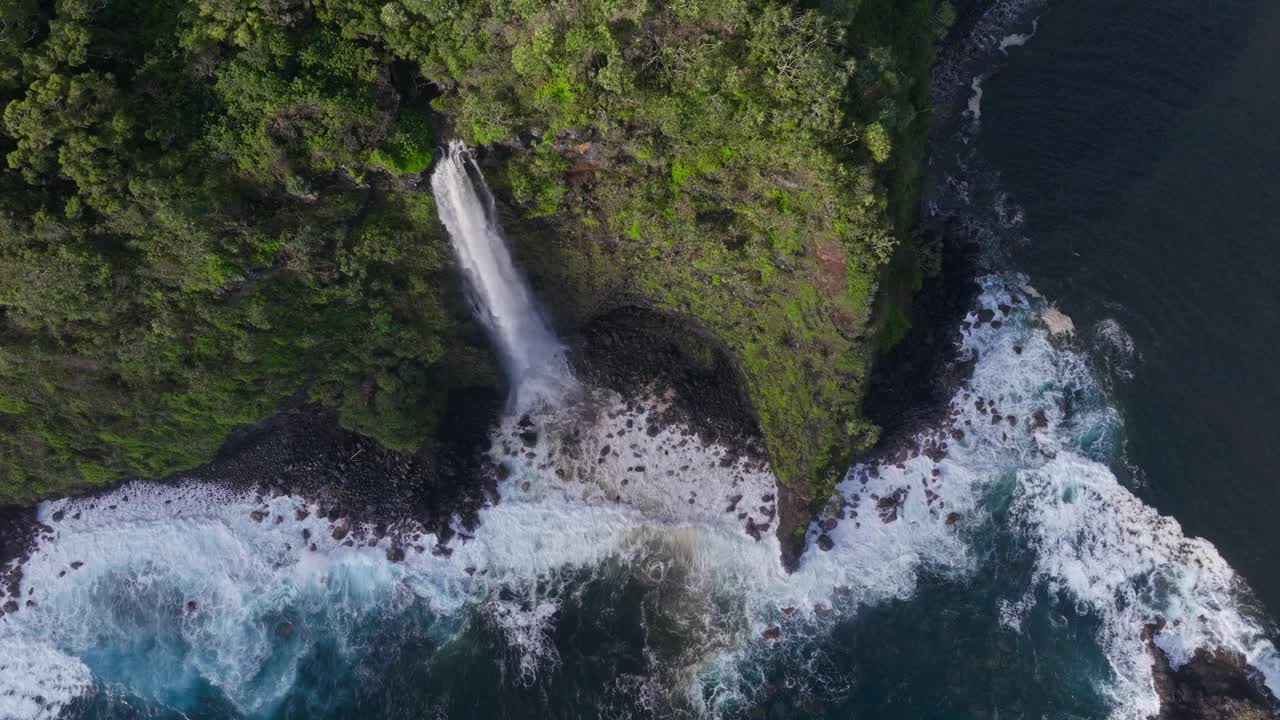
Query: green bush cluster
pixel 207 205
pixel 181 246
pixel 749 163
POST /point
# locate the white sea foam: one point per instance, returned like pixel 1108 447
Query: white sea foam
pixel 38 681
pixel 1019 39
pixel 242 559
pixel 974 108
pixel 953 71
pixel 1128 564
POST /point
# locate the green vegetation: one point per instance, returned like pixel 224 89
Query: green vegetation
pixel 407 148
pixel 181 246
pixel 209 204
pixel 750 164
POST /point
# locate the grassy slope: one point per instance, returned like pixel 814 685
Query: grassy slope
pixel 766 240
pixel 180 250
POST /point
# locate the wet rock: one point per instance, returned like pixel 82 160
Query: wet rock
pixel 301 514
pixel 258 515
pixel 284 630
pixel 469 570
pixel 192 606
pixel 825 543
pixel 1214 684
pixel 441 550
pixel 986 315
pixel 306 534
pixel 733 503
pixel 77 565
pixel 1039 420
pixel 889 505
pixel 395 553
pixel 829 524
pixel 953 519
pixel 11 607
pixel 773 633
pixel 339 532
pixel 57 516
pixel 529 438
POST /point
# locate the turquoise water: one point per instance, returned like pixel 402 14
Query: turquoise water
pixel 1009 576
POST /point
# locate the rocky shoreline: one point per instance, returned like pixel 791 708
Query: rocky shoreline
pixel 1213 685
pixel 303 452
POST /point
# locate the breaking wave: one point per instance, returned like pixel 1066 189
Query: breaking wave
pixel 156 591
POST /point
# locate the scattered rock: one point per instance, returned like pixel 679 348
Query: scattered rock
pixel 889 505
pixel 1214 684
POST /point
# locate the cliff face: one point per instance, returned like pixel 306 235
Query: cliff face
pixel 747 167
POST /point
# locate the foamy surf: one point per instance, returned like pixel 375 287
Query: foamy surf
pixel 235 586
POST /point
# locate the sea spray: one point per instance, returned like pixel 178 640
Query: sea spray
pixel 161 590
pixel 532 356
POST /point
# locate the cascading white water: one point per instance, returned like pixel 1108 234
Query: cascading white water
pixel 532 356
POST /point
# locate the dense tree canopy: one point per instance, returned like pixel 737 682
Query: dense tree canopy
pixel 208 205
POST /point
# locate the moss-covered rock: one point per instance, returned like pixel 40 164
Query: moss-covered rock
pixel 749 167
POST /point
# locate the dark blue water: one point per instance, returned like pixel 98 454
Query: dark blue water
pixel 1140 138
pixel 1135 139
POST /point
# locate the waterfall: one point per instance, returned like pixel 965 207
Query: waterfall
pixel 531 355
